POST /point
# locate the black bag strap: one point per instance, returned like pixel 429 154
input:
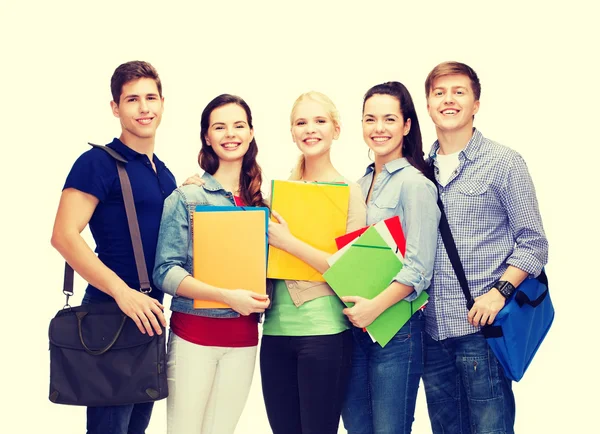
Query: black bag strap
pixel 452 251
pixel 134 228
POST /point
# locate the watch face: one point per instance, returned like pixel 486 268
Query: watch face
pixel 505 288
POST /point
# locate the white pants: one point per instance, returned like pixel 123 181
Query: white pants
pixel 208 386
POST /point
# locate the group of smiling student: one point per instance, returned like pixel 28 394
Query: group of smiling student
pixel 316 362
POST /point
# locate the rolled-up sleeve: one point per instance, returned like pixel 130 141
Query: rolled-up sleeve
pixel 519 199
pixel 173 245
pixel 420 224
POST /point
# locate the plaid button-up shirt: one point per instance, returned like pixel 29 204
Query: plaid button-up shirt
pixel 493 214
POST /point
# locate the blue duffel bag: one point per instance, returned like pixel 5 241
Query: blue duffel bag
pixel 521 325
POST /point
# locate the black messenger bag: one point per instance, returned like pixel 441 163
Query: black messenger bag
pixel 98 356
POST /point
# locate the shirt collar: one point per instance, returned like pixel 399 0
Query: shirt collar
pixel 390 167
pixel 210 183
pixel 128 153
pixel 470 151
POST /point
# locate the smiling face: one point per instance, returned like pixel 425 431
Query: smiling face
pixel 313 129
pixel 229 133
pixel 451 103
pixel 384 127
pixel 140 110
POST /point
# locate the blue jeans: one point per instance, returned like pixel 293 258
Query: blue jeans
pixel 117 419
pixel 382 392
pixel 467 391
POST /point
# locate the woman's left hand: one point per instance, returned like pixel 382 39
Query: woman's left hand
pixel 364 311
pixel 279 233
pixel 195 179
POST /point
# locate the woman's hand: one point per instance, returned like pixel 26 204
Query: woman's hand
pixel 279 233
pixel 195 179
pixel 245 302
pixel 364 311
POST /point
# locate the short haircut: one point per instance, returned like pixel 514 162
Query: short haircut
pixel 453 68
pixel 129 71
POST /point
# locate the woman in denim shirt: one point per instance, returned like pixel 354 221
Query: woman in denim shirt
pixel 211 352
pixel 384 382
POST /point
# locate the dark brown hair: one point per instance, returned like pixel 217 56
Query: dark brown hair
pixel 251 174
pixel 132 71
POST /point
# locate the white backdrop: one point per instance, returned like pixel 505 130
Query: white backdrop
pixel 539 96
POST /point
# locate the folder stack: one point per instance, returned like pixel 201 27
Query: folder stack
pixel 230 249
pixel 366 266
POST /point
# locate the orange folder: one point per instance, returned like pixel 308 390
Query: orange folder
pixel 316 213
pixel 229 250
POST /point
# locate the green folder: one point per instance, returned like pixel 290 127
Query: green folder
pixel 366 269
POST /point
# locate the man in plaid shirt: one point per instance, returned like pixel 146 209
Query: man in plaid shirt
pixel 492 210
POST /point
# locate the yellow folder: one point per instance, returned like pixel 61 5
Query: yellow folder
pixel 229 249
pixel 316 213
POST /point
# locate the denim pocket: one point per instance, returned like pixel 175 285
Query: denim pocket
pixel 480 372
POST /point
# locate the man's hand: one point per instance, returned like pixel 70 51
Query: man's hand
pixel 145 311
pixel 195 179
pixel 486 308
pixel 246 302
pixel 364 311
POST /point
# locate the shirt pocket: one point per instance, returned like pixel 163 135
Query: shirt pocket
pixel 383 207
pixel 475 197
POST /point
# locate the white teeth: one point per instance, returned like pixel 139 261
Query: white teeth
pixel 230 145
pixel 311 141
pixel 380 139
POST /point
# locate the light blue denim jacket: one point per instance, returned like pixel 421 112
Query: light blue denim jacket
pixel 174 249
pixel 402 190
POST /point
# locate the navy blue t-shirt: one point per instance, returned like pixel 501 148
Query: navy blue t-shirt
pixel 95 172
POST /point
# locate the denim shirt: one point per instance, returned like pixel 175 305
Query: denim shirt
pixel 174 249
pixel 403 191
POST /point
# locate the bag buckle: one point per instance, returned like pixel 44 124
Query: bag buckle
pixel 67 294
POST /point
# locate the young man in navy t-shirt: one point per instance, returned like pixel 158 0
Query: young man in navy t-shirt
pixel 92 195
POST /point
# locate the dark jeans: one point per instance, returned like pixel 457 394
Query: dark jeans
pixel 118 419
pixel 304 381
pixel 467 391
pixel 383 388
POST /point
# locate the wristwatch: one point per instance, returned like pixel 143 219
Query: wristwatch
pixel 505 288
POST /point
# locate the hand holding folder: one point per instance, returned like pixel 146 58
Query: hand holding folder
pixel 230 249
pixel 366 268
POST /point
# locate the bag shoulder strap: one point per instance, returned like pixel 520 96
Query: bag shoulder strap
pixel 452 251
pixel 134 228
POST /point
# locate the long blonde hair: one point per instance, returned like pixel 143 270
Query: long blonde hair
pixel 331 110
